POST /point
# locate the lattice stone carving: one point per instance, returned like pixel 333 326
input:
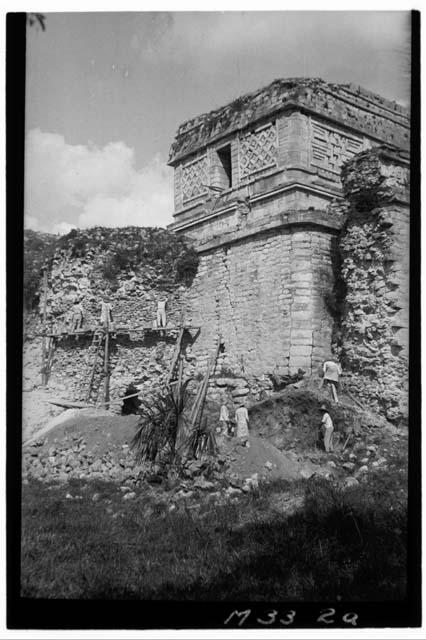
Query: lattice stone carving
pixel 258 150
pixel 194 176
pixel 330 148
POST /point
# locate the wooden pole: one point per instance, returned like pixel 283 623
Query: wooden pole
pixel 347 440
pixel 106 370
pixel 198 407
pixel 175 357
pixel 43 345
pixel 80 405
pixel 50 348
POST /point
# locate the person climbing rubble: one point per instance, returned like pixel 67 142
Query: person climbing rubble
pixel 332 371
pixel 161 312
pixel 328 428
pixel 106 319
pixel 242 420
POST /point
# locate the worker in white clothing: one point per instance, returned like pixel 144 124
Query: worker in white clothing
pixel 77 317
pixel 328 428
pixel 242 420
pixel 224 419
pixel 332 370
pixel 161 312
pixel 106 319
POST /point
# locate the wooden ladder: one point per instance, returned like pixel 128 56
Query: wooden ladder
pixel 95 347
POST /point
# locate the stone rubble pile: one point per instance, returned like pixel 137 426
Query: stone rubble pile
pixel 70 459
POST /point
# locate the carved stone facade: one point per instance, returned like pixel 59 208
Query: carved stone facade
pixel 194 178
pixel 258 150
pixel 331 148
pixel 267 228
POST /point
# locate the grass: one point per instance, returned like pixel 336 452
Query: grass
pixel 340 545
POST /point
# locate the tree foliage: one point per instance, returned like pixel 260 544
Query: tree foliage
pixel 39 249
pixel 36 20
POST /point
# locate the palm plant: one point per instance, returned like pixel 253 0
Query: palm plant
pixel 202 440
pixel 159 424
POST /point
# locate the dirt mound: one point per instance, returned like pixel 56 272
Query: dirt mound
pixel 36 412
pixel 291 419
pixel 69 415
pixel 84 447
pixel 101 433
pixel 265 460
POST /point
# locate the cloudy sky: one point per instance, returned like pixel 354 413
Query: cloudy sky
pixel 107 91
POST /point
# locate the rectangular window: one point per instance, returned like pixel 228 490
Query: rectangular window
pixel 225 167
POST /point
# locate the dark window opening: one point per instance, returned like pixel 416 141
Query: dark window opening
pixel 225 166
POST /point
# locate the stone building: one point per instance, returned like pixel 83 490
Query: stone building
pixel 258 185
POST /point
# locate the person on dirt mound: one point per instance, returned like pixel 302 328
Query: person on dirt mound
pixel 328 428
pixel 242 428
pixel 332 371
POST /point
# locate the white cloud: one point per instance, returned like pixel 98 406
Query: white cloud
pixel 82 185
pixel 32 223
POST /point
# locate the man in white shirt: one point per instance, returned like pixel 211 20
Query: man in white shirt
pixel 242 420
pixel 224 418
pixel 106 319
pixel 77 317
pixel 332 370
pixel 161 312
pixel 328 428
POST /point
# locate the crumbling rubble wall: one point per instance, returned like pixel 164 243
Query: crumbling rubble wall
pixel 374 248
pixel 133 267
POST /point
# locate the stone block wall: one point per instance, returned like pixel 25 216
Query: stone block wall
pixel 375 269
pixel 265 295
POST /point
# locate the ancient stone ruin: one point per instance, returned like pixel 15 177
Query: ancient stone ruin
pixel 296 201
pixel 258 184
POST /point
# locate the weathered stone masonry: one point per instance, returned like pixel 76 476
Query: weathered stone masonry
pixel 265 296
pixel 375 268
pixel 258 186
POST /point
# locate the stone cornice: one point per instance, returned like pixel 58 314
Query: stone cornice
pixel 310 95
pixel 232 206
pixel 326 221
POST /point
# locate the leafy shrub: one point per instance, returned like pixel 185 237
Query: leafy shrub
pixel 202 440
pixel 175 260
pixel 39 250
pixel 74 242
pixel 110 269
pixel 187 265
